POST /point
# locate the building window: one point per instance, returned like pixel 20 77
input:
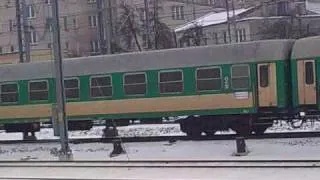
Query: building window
pixel 135 84
pixel 215 38
pixel 283 8
pixel 49 45
pixel 50 28
pixel 74 23
pixel 177 12
pixel 209 79
pixel 9 93
pixel 240 76
pixel 12 49
pixel 101 86
pixel 95 46
pixel 93 21
pixel 38 91
pixel 211 2
pixel 65 23
pixel 91 1
pixel 171 82
pixel 1 50
pixel 309 73
pixel 240 35
pixel 31 13
pixel 33 37
pixel 225 39
pixel 48 2
pixel 67 45
pixel 11 25
pixel 264 75
pixel 71 87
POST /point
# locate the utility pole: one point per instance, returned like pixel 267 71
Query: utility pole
pixel 228 21
pixel 194 10
pixel 19 31
pixel 101 25
pixel 108 26
pixel 65 152
pixel 147 22
pixel 234 19
pixel 156 21
pixel 26 30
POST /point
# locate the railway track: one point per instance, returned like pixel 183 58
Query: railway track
pixel 165 164
pixel 169 138
pixel 161 169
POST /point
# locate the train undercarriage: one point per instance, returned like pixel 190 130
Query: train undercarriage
pixel 244 125
pixel 193 126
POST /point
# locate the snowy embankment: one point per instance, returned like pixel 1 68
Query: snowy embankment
pixel 266 149
pixel 153 130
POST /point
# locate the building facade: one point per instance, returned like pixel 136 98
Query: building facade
pixel 263 20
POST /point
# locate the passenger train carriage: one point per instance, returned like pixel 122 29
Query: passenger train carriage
pixel 243 86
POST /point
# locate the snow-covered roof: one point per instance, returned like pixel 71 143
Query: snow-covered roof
pixel 313 6
pixel 210 19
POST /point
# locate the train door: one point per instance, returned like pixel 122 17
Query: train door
pixel 267 85
pixel 306 82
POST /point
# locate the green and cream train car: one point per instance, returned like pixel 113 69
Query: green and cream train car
pixel 241 86
pixel 305 76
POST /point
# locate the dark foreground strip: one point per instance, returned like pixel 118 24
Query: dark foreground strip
pixel 165 164
pixel 26 178
pixel 169 138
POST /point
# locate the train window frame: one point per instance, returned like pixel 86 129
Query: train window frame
pixel 232 77
pixel 264 81
pixel 210 67
pixel 91 87
pixel 169 71
pixel 47 90
pixel 78 87
pixel 145 83
pixel 307 73
pixel 17 92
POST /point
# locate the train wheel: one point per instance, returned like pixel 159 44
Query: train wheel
pixel 194 133
pixel 259 130
pixel 242 128
pixel 210 133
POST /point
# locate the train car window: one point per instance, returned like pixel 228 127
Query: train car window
pixel 171 82
pixel 9 93
pixel 101 86
pixel 38 91
pixel 135 84
pixel 240 77
pixel 309 74
pixel 71 87
pixel 209 79
pixel 264 75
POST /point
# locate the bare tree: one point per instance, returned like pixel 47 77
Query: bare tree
pixel 129 27
pixel 163 35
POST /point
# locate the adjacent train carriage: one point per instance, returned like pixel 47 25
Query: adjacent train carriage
pixel 226 86
pixel 305 76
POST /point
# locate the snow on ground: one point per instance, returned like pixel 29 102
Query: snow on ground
pixel 303 148
pixel 153 130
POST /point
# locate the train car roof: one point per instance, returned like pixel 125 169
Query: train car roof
pixel 306 48
pixel 258 51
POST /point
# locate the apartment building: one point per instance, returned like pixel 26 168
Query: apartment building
pixel 79 23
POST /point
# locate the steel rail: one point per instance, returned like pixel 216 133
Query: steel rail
pixel 165 164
